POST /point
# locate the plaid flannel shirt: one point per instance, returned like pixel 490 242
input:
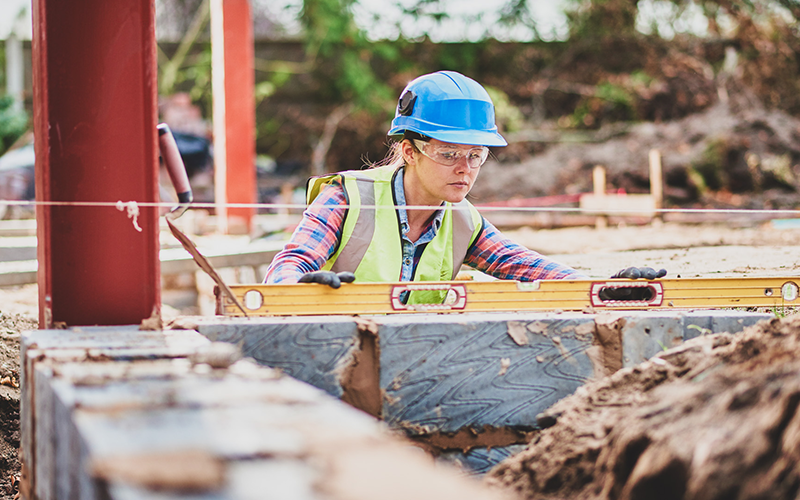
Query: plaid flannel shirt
pixel 316 238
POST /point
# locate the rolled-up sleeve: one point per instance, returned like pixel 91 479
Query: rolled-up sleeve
pixel 315 238
pixel 503 258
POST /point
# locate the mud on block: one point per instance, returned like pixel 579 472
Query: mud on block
pixel 470 391
pixel 646 333
pixel 484 372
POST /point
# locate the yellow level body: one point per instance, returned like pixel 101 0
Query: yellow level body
pixel 495 296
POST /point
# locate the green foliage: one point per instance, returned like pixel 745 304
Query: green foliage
pixel 517 12
pixel 263 91
pixel 696 179
pixel 609 99
pixel 711 165
pixel 700 329
pixel 195 78
pixel 602 18
pixel 508 117
pixel 426 8
pixel 641 79
pixel 615 94
pixel 344 56
pixel 463 59
pixel 2 67
pixel 271 127
pixel 13 122
pixel 779 312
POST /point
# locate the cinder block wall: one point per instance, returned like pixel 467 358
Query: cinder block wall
pixel 118 413
pixel 468 387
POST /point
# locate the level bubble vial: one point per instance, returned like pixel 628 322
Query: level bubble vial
pixel 253 300
pixel 790 291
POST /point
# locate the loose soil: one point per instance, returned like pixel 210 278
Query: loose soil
pixel 11 324
pixel 714 418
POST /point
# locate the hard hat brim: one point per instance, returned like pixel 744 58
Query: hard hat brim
pixel 465 137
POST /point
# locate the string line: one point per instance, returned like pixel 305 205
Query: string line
pixel 296 206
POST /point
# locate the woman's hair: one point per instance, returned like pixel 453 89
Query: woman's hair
pixel 394 157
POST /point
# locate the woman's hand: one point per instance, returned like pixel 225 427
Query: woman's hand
pixel 329 278
pixel 630 293
pixel 634 273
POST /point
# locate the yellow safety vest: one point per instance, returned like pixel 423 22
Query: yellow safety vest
pixel 371 244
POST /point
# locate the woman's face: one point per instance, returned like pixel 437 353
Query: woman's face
pixel 428 182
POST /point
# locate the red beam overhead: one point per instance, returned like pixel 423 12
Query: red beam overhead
pixel 95 115
pixel 234 111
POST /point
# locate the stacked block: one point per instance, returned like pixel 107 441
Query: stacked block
pixel 117 413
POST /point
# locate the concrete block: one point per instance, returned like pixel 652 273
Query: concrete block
pixel 276 479
pixel 275 438
pixel 439 374
pixel 460 376
pixel 113 338
pixel 479 461
pixel 697 323
pixel 41 350
pixel 646 333
pixel 142 387
pixel 122 422
pixel 316 350
pixel 38 448
pixel 230 418
pixel 497 370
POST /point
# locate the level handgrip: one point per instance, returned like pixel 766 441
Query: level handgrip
pixel 455 300
pixel 643 294
pixel 175 168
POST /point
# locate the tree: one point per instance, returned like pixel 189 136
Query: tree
pixel 342 58
pixel 601 18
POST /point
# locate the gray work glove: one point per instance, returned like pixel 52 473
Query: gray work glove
pixel 634 273
pixel 329 278
pixel 629 293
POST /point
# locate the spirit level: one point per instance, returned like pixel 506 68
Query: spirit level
pixel 489 296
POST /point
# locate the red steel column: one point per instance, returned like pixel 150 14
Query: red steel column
pixel 234 111
pixel 94 78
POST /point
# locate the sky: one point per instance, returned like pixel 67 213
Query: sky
pixel 470 20
pixel 15 15
pixel 381 18
pixel 548 15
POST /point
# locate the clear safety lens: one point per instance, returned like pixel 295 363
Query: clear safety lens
pixel 449 155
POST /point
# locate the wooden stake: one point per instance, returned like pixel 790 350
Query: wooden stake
pixel 656 181
pixel 599 188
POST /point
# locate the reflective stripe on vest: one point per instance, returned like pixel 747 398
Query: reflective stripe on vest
pixel 371 246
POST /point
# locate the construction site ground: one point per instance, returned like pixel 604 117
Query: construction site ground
pixel 560 461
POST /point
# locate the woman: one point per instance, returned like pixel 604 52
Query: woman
pixel 444 125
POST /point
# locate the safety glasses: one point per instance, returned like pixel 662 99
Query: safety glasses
pixel 449 155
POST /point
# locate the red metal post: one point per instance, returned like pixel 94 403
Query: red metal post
pixel 236 177
pixel 95 115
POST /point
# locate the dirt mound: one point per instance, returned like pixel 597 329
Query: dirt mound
pixel 735 146
pixel 10 327
pixel 714 418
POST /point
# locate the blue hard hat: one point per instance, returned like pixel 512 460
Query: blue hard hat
pixel 447 106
